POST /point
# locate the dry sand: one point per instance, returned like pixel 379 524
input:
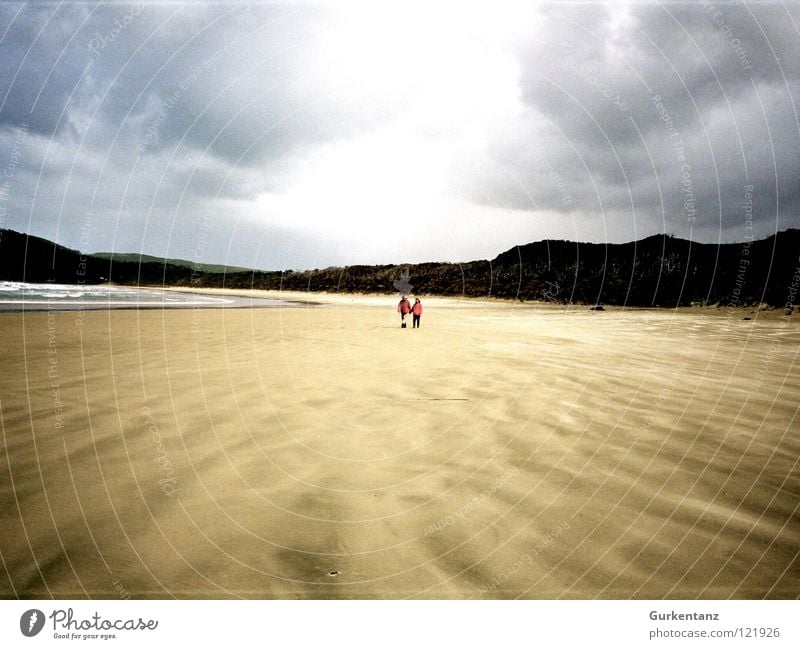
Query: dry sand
pixel 502 450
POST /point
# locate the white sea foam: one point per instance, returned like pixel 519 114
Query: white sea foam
pixel 19 295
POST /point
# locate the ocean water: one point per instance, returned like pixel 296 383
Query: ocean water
pixel 20 296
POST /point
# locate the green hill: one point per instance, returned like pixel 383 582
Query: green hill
pixel 656 271
pixel 147 259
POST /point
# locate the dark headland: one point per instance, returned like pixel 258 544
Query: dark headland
pixel 660 270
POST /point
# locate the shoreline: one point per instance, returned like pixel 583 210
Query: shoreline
pixel 383 300
pixel 235 301
pixel 249 298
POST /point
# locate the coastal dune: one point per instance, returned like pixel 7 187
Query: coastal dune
pixel 500 451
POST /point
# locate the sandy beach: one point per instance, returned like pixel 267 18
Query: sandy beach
pixel 500 451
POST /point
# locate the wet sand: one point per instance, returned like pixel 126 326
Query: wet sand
pixel 502 450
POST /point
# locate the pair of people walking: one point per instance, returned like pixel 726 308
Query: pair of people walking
pixel 405 307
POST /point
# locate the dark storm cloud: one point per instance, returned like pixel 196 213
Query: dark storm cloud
pixel 622 122
pixel 38 71
pixel 131 108
pixel 229 79
pixel 595 77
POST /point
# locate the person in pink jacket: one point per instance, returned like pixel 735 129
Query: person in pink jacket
pixel 416 312
pixel 403 308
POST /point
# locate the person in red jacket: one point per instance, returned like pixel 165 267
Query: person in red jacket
pixel 416 312
pixel 403 308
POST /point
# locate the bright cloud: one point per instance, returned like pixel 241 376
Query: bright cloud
pixel 305 134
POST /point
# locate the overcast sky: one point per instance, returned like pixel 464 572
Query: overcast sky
pixel 304 135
